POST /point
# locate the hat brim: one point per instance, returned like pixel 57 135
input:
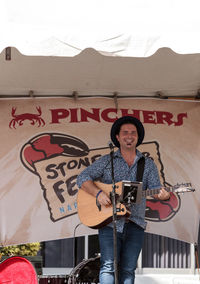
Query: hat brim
pixel 123 120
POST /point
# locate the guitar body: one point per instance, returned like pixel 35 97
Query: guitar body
pixel 89 213
pixel 91 216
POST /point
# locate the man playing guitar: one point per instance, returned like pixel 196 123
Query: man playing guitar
pixel 126 133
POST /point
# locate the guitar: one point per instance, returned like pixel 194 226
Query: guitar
pixel 92 216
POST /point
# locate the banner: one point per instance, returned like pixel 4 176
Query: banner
pixel 46 143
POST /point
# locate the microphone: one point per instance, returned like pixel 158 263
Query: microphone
pixel 110 144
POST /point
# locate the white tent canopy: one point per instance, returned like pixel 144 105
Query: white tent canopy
pixel 124 28
pixel 91 73
pixel 128 48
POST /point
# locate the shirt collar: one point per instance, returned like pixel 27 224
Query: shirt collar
pixel 138 154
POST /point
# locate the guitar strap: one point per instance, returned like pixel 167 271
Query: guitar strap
pixel 140 169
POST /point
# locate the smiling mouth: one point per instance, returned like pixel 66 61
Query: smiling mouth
pixel 129 143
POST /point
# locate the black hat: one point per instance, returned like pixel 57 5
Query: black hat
pixel 123 120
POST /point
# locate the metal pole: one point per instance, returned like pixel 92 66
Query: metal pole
pixel 113 198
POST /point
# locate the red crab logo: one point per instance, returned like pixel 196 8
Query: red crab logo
pixel 20 118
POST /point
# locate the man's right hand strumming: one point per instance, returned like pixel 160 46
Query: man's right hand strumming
pixel 103 199
pixel 92 189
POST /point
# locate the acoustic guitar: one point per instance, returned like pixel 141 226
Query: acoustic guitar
pixel 92 216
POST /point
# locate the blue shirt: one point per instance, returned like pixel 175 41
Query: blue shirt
pixel 101 170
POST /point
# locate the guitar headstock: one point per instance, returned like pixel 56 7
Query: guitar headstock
pixel 183 187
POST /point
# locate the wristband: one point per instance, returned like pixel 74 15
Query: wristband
pixel 98 193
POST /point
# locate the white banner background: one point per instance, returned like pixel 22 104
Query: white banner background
pixel 25 207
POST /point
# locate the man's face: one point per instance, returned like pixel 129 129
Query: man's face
pixel 128 136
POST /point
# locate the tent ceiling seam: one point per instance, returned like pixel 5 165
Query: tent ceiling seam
pixel 75 95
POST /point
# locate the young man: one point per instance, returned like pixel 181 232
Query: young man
pixel 126 133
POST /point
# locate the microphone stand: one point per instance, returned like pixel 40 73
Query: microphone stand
pixel 113 199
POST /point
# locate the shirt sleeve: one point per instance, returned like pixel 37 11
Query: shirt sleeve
pixel 153 178
pixel 94 171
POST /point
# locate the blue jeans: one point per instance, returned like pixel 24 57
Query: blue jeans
pixel 129 244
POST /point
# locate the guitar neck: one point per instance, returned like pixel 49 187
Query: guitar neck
pixel 150 192
pixel 177 188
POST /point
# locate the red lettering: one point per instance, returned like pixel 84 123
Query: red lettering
pixel 105 113
pixel 58 114
pixel 180 119
pixel 163 116
pixel 74 114
pixel 94 115
pixel 149 116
